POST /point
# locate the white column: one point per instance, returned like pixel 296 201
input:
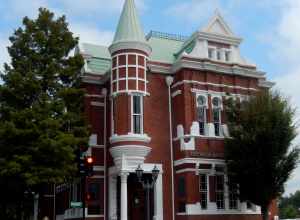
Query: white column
pixel 112 198
pixel 158 198
pixel 124 206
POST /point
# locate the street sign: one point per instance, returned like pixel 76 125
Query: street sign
pixel 76 204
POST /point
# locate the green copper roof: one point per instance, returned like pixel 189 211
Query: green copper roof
pixel 164 48
pixel 129 27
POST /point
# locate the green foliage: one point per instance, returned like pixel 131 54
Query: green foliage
pixel 289 207
pixel 258 154
pixel 41 105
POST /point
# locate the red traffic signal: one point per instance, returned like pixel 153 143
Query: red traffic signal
pixel 89 160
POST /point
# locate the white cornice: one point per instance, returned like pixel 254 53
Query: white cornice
pixel 130 137
pixel 204 65
pixel 132 45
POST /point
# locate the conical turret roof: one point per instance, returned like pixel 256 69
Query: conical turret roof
pixel 129 27
pixel 129 34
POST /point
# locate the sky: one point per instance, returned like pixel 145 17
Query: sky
pixel 270 29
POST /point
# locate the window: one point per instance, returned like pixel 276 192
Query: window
pixel 201 113
pixel 181 186
pixel 216 104
pixel 220 191
pixel 94 203
pixel 210 53
pixel 137 117
pixel 203 191
pixel 227 56
pixel 219 54
pixel 233 195
pixel 249 205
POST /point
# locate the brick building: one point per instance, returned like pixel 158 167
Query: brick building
pixel 157 100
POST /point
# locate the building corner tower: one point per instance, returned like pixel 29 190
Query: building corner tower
pixel 129 142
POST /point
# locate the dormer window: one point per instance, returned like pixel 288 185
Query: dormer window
pixel 219 57
pixel 210 53
pixel 227 56
pixel 219 52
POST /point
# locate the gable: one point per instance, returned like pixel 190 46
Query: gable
pixel 217 25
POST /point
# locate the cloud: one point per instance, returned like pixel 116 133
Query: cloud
pixel 286 47
pixel 4 57
pixel 88 7
pixel 92 34
pixel 193 11
pixel 16 9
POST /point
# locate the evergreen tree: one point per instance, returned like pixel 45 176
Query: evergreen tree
pixel 41 108
pixel 258 153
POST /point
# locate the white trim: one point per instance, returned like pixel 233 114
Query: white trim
pixel 204 65
pixel 197 161
pixel 97 146
pixel 186 170
pixel 176 93
pixel 130 137
pixel 98 168
pixel 212 84
pixel 130 91
pixel 214 93
pixel 97 104
pixel 93 96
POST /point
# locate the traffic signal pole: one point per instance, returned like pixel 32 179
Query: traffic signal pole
pixel 83 196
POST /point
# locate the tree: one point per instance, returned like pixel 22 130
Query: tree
pixel 289 206
pixel 288 212
pixel 258 153
pixel 41 108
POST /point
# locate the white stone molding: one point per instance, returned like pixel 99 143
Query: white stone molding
pixel 130 137
pixel 194 82
pixel 176 93
pixel 134 45
pixel 129 156
pixel 206 65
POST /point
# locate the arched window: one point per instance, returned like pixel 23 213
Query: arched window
pixel 216 108
pixel 201 113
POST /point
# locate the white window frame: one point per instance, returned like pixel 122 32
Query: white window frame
pixel 220 192
pixel 204 190
pixel 141 114
pixel 205 106
pixel 222 52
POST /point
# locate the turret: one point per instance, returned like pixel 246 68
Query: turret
pixel 129 51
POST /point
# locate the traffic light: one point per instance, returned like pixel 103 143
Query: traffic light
pixel 89 166
pixel 80 159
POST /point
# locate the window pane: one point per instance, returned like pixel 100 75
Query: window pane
pixel 210 53
pixel 218 54
pixel 201 100
pixel 181 187
pixel 220 191
pixel 137 124
pixel 136 104
pixel 201 114
pixel 203 191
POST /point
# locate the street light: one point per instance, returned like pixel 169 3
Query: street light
pixel 147 183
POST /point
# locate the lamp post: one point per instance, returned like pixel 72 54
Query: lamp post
pixel 148 184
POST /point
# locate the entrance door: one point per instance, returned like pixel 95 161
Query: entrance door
pixel 137 204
